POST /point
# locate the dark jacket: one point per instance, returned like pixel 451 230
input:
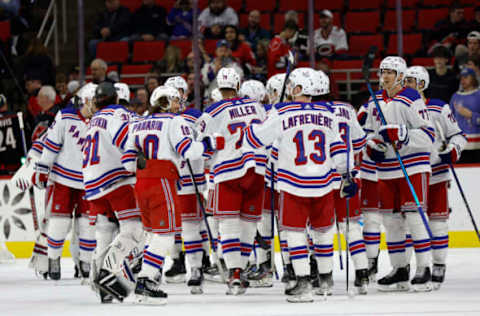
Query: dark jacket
pixel 117 21
pixel 150 20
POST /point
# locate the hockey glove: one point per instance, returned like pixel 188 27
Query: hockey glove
pixel 376 150
pixel 348 187
pixel 213 143
pixel 394 133
pixel 40 176
pixel 141 161
pixel 450 154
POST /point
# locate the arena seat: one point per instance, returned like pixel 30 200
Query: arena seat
pixel 5 30
pixel 359 44
pixel 355 22
pixel 132 5
pixel 436 3
pixel 264 5
pixel 210 45
pixel 422 61
pixel 363 5
pixel 285 5
pixel 335 5
pixel 184 45
pixel 148 51
pixel 409 19
pixel 412 43
pixel 113 52
pixel 427 18
pixel 392 4
pixel 138 70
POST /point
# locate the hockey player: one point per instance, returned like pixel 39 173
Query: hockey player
pixel 355 138
pixel 238 187
pixel 60 164
pixel 109 189
pixel 443 154
pixel 309 151
pixel 410 131
pixel 156 183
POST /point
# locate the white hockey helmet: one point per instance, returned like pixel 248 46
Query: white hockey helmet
pixel 274 87
pixel 396 63
pixel 253 89
pixel 216 95
pixel 324 84
pixel 123 91
pixel 87 92
pixel 164 91
pixel 420 74
pixel 228 78
pixel 177 82
pixel 307 78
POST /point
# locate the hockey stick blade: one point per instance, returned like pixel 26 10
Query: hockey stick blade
pixel 368 62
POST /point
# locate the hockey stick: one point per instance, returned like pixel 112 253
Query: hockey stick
pixel 210 236
pixel 444 141
pixel 347 219
pixel 339 242
pixel 366 72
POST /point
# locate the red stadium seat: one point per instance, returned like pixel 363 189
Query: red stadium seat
pixel 392 4
pixel 422 61
pixel 113 52
pixel 286 5
pixel 411 44
pixel 436 3
pixel 359 44
pixel 235 4
pixel 362 5
pixel 210 46
pixel 427 18
pixel 148 51
pixel 362 22
pixel 167 4
pixel 264 5
pixel 135 74
pixel 4 30
pixel 469 13
pixel 336 5
pixel 353 64
pixel 409 19
pixel 184 45
pixel 264 20
pixel 132 5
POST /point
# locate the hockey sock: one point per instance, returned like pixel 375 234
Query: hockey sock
pixel 408 247
pixel 298 252
pixel 265 230
pixel 421 240
pixel 247 237
pixel 192 241
pixel 230 231
pixel 356 244
pixel 154 255
pixel 284 247
pixel 371 232
pixel 440 240
pixel 57 231
pixel 213 223
pixel 87 242
pixel 177 247
pixel 395 235
pixel 323 249
pixel 204 236
pixel 105 232
pixel 75 242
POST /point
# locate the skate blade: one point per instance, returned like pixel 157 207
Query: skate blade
pixel 236 290
pixel 176 279
pixel 308 298
pixel 85 281
pixel 261 283
pixel 196 290
pixel 398 287
pixel 436 286
pixel 362 290
pixel 147 300
pixel 214 278
pixel 323 292
pixel 426 287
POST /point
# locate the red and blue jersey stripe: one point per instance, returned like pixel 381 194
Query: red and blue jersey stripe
pixel 67 173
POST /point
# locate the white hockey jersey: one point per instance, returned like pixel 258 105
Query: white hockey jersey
pixel 368 168
pixel 229 118
pixel 408 108
pixel 310 148
pixel 104 145
pixel 62 148
pixel 440 112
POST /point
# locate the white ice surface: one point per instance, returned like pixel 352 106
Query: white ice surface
pixel 21 293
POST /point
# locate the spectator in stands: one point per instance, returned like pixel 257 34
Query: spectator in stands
pixel 143 101
pixel 452 30
pixel 46 99
pixel 37 60
pixel 189 63
pixel 259 71
pixel 112 25
pixel 465 106
pixel 475 24
pixel 149 22
pixel 152 82
pixel 241 50
pixel 99 68
pixel 329 40
pixel 463 53
pixel 223 58
pixel 33 83
pixel 443 81
pixel 215 17
pixel 279 48
pixel 474 63
pixel 61 85
pixel 181 19
pixel 171 61
pixel 323 65
pixel 253 32
pixel 191 92
pixel 4 106
pixel 300 39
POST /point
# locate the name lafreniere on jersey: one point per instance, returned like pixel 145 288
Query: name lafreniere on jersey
pixel 307 118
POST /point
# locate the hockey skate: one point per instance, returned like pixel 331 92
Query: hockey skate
pixel 302 291
pixel 177 272
pixel 237 284
pixel 212 272
pixel 361 281
pixel 108 284
pixel 251 269
pixel 290 278
pixel 372 269
pixel 196 281
pixel 54 272
pixel 325 284
pixel 314 273
pixel 148 292
pixel 84 272
pixel 438 275
pixel 396 280
pixel 262 277
pixel 422 281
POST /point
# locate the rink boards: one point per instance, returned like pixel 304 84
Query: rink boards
pixel 16 225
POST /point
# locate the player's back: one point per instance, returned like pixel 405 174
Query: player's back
pixel 104 144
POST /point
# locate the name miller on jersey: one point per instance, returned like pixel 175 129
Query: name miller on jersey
pixel 302 119
pixel 242 111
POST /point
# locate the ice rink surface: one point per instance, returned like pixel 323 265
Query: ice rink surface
pixel 21 293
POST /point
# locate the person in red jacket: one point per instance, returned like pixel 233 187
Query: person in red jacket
pixel 240 49
pixel 279 47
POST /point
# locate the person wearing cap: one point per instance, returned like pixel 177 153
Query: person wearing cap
pixel 329 40
pixel 473 43
pixel 443 81
pixel 465 105
pixel 279 48
pixel 223 58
